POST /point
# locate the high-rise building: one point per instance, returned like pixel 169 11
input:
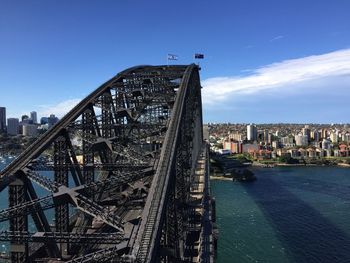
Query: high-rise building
pixel 233 146
pixel 324 134
pixel 346 137
pixel 235 136
pixel 269 138
pixel 44 120
pixel 26 120
pixel 52 120
pixel 252 132
pixel 334 137
pixel 34 117
pixel 12 126
pixel 301 140
pixel 2 119
pixel 306 131
pixel 275 144
pixel 315 135
pixel 266 135
pixel 326 144
pixel 30 130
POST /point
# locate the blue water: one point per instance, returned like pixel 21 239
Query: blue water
pixel 292 214
pixel 4 204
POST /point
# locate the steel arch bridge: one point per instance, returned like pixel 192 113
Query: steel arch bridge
pixel 123 177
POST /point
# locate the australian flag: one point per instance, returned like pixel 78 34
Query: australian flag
pixel 198 56
pixel 172 57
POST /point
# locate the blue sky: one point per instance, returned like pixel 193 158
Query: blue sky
pixel 265 61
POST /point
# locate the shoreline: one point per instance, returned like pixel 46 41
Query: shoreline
pixel 344 165
pixel 298 165
pixel 222 178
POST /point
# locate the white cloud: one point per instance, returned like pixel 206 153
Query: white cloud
pixel 276 38
pixel 59 109
pixel 279 76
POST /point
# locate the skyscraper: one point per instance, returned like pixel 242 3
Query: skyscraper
pixel 252 132
pixel 266 135
pixel 34 117
pixel 2 119
pixel 306 131
pixel 12 126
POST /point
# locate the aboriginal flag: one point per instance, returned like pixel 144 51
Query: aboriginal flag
pixel 198 56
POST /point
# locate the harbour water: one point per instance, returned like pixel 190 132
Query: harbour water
pixel 290 214
pixel 4 246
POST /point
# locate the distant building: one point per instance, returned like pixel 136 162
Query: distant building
pixel 235 136
pixel 12 126
pixel 250 147
pixel 334 137
pixel 346 137
pixel 261 154
pixel 301 140
pixel 275 144
pixel 233 146
pixel 315 135
pixel 44 120
pixel 26 120
pixel 52 120
pixel 306 132
pixel 34 117
pixel 269 138
pixel 30 130
pixel 326 144
pixel 316 144
pixel 311 153
pixel 266 135
pixel 344 150
pixel 252 132
pixel 287 142
pixel 2 119
pixel 294 153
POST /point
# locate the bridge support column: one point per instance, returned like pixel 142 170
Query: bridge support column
pixel 88 155
pixel 17 195
pixel 61 177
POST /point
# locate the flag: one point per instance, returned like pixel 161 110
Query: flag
pixel 172 57
pixel 198 56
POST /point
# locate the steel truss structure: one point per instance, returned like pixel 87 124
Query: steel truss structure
pixel 118 172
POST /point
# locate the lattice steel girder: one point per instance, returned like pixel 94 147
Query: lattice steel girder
pixel 97 211
pixel 120 80
pixel 65 194
pixel 61 177
pixel 27 208
pixel 136 113
pixel 96 238
pixel 17 196
pixel 43 181
pixel 41 221
pixel 113 254
pixel 147 246
pixel 88 156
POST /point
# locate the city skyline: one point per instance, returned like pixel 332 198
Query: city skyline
pixel 264 62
